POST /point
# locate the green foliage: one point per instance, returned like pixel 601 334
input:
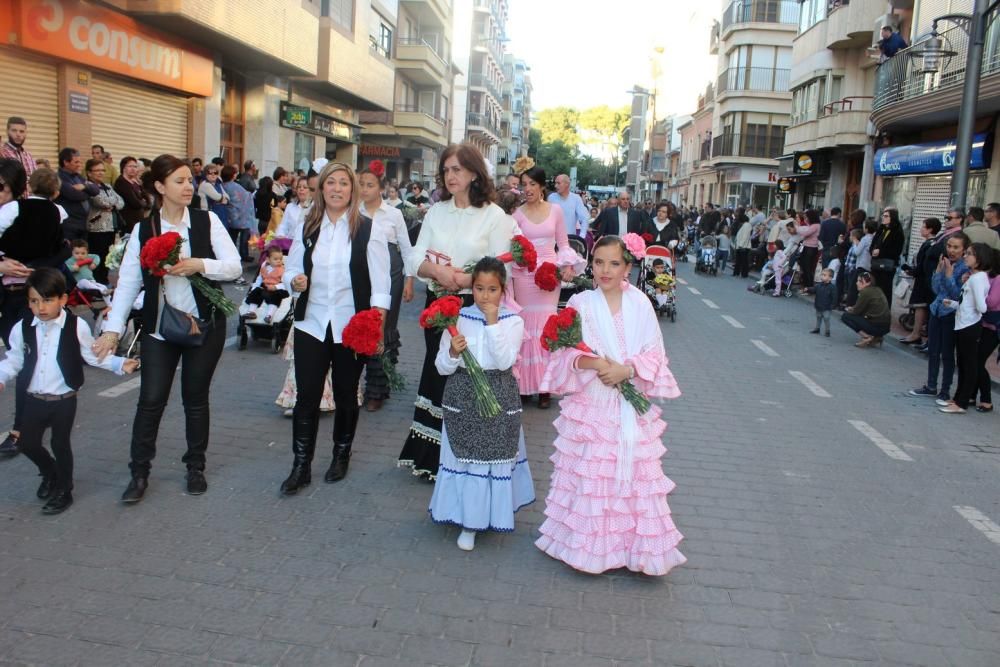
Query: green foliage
pixel 558 124
pixel 556 135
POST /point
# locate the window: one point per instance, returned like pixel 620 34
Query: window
pixel 380 35
pixel 232 118
pixel 811 13
pixel 305 151
pixel 341 12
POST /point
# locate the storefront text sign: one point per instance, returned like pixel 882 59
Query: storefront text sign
pixel 79 102
pixel 93 36
pixel 374 150
pixel 932 157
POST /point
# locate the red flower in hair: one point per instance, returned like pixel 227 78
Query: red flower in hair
pixel 377 168
pixel 547 277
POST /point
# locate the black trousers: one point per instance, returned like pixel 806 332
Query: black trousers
pixel 100 243
pixel 159 364
pixel 967 356
pixel 807 265
pixel 862 325
pixel 58 415
pixel 259 295
pixel 313 359
pixel 741 263
pixel 987 343
pixel 13 309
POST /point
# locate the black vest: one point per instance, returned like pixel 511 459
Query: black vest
pixel 361 283
pixel 68 355
pixel 35 238
pixel 200 238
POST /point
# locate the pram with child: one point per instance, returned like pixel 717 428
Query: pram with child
pixel 267 312
pixel 706 256
pixel 656 279
pixel 789 269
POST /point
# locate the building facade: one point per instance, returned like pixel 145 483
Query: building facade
pixel 752 98
pixel 280 82
pixel 516 121
pixel 696 182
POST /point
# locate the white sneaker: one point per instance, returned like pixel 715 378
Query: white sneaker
pixel 467 540
pixel 943 403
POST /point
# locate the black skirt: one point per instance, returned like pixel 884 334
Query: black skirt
pixel 422 449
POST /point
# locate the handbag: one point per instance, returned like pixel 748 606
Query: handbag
pixel 883 265
pixel 181 328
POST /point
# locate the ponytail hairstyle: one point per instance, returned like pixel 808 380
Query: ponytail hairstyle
pixel 536 174
pixel 616 241
pixel 491 265
pixel 159 171
pixel 314 217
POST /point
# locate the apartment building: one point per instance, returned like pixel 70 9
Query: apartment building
pixel 516 121
pixel 277 81
pixel 832 79
pixel 479 39
pixel 409 137
pixel 915 115
pixel 697 182
pixel 752 98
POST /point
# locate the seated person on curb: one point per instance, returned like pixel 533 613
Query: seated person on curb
pixel 870 315
pixel 47 352
pixel 267 288
pixel 82 264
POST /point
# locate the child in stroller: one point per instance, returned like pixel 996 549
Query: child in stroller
pixel 776 275
pixel 267 289
pixel 706 256
pixel 656 279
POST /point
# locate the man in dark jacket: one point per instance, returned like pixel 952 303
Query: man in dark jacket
pixel 830 231
pixel 890 43
pixel 248 179
pixel 74 194
pixel 710 219
pixel 621 219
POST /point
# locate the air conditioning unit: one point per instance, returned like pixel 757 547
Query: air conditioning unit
pixel 888 19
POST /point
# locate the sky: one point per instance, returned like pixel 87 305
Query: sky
pixel 584 53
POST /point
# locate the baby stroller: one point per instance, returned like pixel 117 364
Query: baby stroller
pixel 582 282
pixel 766 283
pixel 253 322
pixel 706 257
pixel 663 303
pixel 128 342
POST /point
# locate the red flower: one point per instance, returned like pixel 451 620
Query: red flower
pixel 363 333
pixel 442 314
pixel 547 277
pixel 159 251
pixel 522 252
pixel 377 168
pixel 449 306
pixel 647 237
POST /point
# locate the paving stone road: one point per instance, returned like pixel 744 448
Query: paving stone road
pixel 829 519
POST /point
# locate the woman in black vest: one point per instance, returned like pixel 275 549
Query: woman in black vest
pixel 31 237
pixel 340 266
pixel 207 250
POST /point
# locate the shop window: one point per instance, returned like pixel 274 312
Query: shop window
pixel 340 12
pixel 233 118
pixel 305 151
pixel 380 35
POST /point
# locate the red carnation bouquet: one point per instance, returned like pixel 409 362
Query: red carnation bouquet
pixel 363 334
pixel 163 251
pixel 647 237
pixel 547 277
pixel 443 314
pixel 565 330
pixel 522 252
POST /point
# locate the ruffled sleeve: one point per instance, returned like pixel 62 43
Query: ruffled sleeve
pixel 652 374
pixel 562 376
pixel 565 255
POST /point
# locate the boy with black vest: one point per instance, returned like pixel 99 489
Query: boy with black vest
pixel 47 353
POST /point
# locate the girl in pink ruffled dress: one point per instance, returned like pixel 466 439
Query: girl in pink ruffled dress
pixel 542 223
pixel 607 503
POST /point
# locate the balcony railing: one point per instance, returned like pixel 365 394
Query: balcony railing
pixel 481 120
pixel 761 11
pixel 418 41
pixel 483 81
pixel 897 79
pixel 754 79
pixel 749 145
pixel 413 108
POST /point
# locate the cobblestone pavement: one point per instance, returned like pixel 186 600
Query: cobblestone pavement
pixel 829 518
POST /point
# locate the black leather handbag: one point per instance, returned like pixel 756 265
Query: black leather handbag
pixel 182 328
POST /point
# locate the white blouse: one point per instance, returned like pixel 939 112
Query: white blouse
pixel 973 303
pixel 394 228
pixel 464 234
pixel 178 290
pixel 331 297
pixel 494 346
pixel 291 221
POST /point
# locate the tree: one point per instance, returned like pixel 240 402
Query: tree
pixel 604 126
pixel 558 124
pixel 556 158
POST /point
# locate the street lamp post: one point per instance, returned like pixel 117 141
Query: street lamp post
pixel 931 54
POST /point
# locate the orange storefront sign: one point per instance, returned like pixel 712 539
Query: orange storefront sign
pixel 90 35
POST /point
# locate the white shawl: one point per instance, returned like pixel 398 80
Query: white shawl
pixel 639 332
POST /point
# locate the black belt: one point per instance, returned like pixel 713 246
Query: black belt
pixel 52 397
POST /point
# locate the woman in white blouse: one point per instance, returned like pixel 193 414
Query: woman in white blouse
pixel 463 227
pixel 207 250
pixel 394 228
pixel 295 212
pixel 339 265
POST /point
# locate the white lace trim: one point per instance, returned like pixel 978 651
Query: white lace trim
pixel 425 432
pixel 424 403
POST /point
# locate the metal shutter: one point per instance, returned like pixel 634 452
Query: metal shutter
pixel 932 201
pixel 132 119
pixel 29 88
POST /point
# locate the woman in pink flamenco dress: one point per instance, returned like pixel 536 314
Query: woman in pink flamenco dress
pixel 542 224
pixel 607 503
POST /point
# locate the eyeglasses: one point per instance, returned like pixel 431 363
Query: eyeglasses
pixel 886 215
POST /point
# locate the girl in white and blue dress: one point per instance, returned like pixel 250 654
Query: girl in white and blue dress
pixel 483 478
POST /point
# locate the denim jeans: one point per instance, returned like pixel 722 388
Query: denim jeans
pixel 941 351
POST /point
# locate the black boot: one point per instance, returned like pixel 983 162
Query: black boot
pixel 136 489
pixel 344 423
pixel 303 447
pixel 59 502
